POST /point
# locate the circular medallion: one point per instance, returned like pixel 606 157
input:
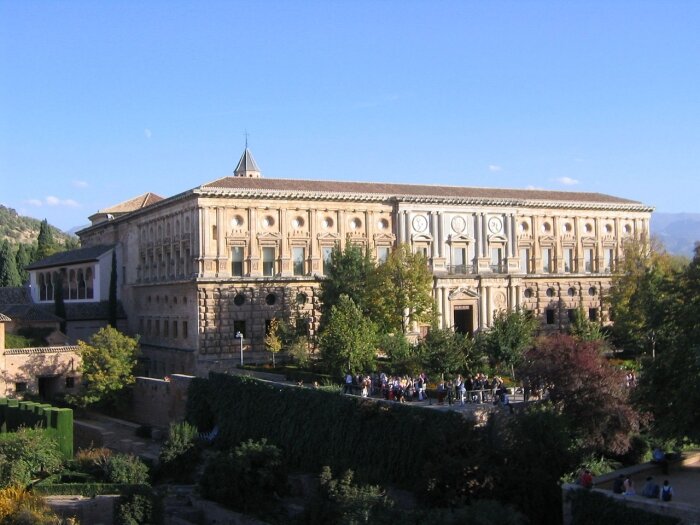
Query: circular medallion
pixel 500 299
pixel 420 223
pixel 495 225
pixel 458 224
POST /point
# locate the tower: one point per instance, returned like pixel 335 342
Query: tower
pixel 246 166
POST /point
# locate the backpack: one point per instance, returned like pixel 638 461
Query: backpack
pixel 666 494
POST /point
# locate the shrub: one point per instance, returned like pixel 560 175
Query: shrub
pixel 180 454
pixel 128 469
pixel 247 478
pixel 27 453
pixel 93 461
pixel 137 509
pixel 20 507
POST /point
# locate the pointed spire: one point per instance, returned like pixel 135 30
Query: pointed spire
pixel 247 166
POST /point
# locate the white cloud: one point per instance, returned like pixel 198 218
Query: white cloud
pixel 147 133
pixel 80 184
pixel 567 181
pixel 494 168
pixel 55 201
pixel 34 202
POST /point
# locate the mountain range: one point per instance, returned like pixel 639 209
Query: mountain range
pixel 677 231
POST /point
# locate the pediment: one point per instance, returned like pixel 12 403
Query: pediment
pixel 421 237
pixel 461 237
pixel 463 292
pixel 497 238
pixel 547 239
pixel 588 240
pixel 270 235
pixel 328 236
pixel 386 237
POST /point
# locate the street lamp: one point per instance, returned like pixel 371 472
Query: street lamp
pixel 239 335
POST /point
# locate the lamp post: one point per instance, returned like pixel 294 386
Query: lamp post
pixel 239 335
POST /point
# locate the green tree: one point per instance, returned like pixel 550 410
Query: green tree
pixel 348 341
pixel 273 340
pixel 8 266
pixel 45 242
pixel 584 329
pixel 444 351
pixel 401 291
pixel 508 337
pixel 107 367
pixel 404 357
pixel 347 273
pixel 59 301
pixel 112 300
pixel 23 258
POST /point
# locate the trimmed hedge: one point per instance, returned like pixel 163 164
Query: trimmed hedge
pixel 58 422
pixel 381 442
pixel 593 508
pixel 89 490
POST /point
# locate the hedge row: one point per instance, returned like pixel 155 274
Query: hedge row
pixel 49 487
pixel 592 508
pixel 58 422
pixel 381 442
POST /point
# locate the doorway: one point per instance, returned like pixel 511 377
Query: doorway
pixel 49 386
pixel 464 319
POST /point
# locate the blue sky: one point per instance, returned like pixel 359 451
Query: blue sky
pixel 102 101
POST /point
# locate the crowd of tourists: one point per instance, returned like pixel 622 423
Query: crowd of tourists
pixel 478 388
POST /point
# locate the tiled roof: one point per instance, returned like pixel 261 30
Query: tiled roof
pixel 91 253
pixel 133 204
pixel 14 295
pixel 407 190
pixel 247 163
pixel 30 312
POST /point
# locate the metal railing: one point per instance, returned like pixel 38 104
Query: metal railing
pixel 460 269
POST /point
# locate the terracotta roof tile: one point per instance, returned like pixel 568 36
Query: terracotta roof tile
pixel 408 190
pixel 90 253
pixel 133 204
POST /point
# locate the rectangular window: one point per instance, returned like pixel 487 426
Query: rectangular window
pixel 166 328
pixel 550 315
pixel 184 329
pixel 157 328
pixel 268 254
pixel 20 387
pixel 298 260
pixel 382 254
pixel 571 312
pixel 525 260
pixel 496 259
pixel 70 382
pixel 568 260
pixel 174 329
pixel 593 314
pixel 302 327
pixel 608 255
pixel 327 252
pixel 459 259
pixel 423 250
pixel 239 327
pixel 237 261
pixel 588 260
pixel 546 260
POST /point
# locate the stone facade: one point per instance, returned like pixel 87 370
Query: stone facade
pixel 46 370
pixel 227 256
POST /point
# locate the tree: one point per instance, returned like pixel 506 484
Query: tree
pixel 348 341
pixel 401 291
pixel 59 302
pixel 8 267
pixel 273 341
pixel 112 304
pixel 108 363
pixel 23 258
pixel 584 329
pixel 347 273
pixel 589 391
pixel 444 351
pixel 45 243
pixel 508 337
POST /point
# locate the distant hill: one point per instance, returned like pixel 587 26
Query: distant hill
pixel 20 229
pixel 678 231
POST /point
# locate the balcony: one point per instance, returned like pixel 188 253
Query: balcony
pixel 460 269
pixel 498 268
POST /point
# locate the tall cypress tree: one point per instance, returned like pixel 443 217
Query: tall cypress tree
pixel 8 267
pixel 45 243
pixel 23 258
pixel 59 304
pixel 113 292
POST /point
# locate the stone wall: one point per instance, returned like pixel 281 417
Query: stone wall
pixel 26 366
pixel 158 402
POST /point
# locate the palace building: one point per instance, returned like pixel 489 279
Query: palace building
pixel 198 268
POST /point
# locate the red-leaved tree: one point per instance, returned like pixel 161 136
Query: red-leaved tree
pixel 589 391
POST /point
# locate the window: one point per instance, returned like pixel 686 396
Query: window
pixel 550 315
pixel 268 254
pixel 70 382
pixel 166 328
pixel 459 259
pixel 608 256
pixel 327 252
pixel 588 260
pixel 298 259
pixel 237 261
pixel 496 259
pixel 174 329
pixel 423 250
pixel 571 312
pixel 382 254
pixel 20 387
pixel 525 260
pixel 157 327
pixel 302 327
pixel 184 329
pixel 239 326
pixel 239 299
pixel 568 260
pixel 270 299
pixel 546 260
pixel 593 314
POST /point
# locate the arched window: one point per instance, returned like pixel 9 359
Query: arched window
pixel 81 284
pixel 72 285
pixel 89 284
pixel 42 287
